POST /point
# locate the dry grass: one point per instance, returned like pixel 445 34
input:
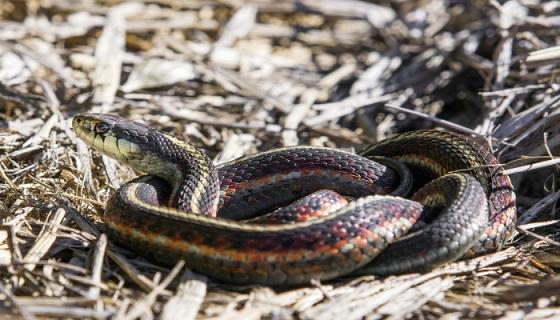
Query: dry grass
pixel 239 77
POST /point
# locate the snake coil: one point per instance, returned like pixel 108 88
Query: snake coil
pixel 186 208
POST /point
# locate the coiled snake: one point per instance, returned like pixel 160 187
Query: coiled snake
pixel 462 197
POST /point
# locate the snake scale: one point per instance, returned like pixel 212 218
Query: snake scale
pixel 347 214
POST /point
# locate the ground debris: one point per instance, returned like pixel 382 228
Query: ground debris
pixel 238 77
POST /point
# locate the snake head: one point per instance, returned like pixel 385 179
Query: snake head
pixel 187 169
pixel 112 135
pixel 143 148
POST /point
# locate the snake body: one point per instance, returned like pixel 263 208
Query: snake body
pixel 170 213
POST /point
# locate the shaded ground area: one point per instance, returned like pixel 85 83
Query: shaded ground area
pixel 238 77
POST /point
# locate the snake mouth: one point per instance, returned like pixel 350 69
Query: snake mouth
pixel 102 134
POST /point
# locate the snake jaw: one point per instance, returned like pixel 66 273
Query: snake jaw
pixel 119 144
pixel 105 142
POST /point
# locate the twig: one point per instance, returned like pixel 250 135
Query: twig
pixel 46 238
pixel 23 311
pixel 96 268
pixel 186 302
pixel 440 122
pixel 531 167
pixel 145 304
pixel 536 236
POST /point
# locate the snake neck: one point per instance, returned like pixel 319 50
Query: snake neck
pixel 196 189
pixel 194 178
pixel 189 171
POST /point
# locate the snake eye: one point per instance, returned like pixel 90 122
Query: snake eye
pixel 101 128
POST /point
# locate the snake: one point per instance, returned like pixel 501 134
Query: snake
pixel 287 216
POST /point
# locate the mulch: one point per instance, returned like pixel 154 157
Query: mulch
pixel 239 77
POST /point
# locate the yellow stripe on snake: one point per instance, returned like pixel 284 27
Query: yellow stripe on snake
pixel 349 215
